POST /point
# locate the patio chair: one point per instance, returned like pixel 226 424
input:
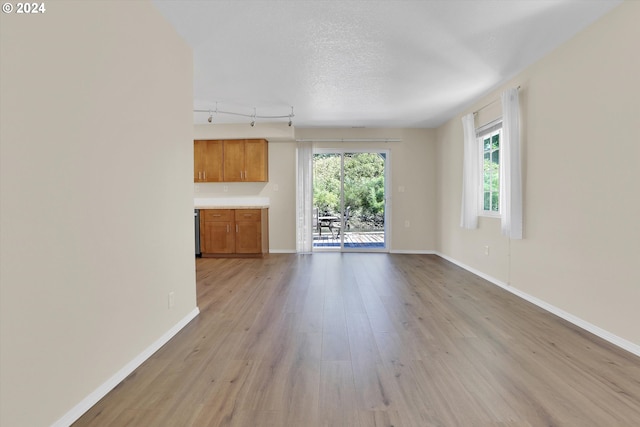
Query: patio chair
pixel 338 224
pixel 318 224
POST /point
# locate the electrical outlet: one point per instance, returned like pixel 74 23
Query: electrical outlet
pixel 225 188
pixel 276 187
pixel 486 250
pixel 401 189
pixel 406 223
pixel 172 299
pixel 197 188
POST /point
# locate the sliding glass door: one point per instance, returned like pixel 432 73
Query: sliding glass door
pixel 349 200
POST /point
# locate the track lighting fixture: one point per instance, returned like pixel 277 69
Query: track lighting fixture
pixel 253 116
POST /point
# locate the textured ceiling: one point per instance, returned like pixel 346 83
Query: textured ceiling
pixel 365 63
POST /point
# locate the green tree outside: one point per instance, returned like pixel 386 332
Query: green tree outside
pixel 491 173
pixel 363 186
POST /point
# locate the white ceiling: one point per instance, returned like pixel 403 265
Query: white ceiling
pixel 365 63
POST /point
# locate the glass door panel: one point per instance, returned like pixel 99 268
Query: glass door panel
pixel 364 201
pixel 327 199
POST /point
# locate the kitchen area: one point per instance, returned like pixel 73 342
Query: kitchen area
pixel 231 226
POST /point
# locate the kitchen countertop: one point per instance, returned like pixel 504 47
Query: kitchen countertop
pixel 231 203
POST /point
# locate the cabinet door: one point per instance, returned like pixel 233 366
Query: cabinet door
pixel 248 231
pixel 234 168
pixel 256 160
pixel 213 155
pixel 199 153
pixel 207 161
pixel 218 238
pixel 217 231
pixel 248 238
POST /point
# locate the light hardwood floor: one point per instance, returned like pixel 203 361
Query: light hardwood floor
pixel 360 340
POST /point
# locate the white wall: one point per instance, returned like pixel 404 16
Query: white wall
pixel 96 207
pixel 581 199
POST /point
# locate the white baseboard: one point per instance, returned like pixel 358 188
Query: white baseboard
pixel 93 398
pixel 596 330
pixel 411 252
pixel 392 251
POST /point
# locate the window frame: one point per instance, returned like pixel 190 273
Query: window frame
pixel 489 130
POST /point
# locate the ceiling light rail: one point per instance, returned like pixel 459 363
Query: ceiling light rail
pixel 253 116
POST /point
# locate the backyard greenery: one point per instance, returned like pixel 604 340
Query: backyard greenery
pixel 363 187
pixel 491 172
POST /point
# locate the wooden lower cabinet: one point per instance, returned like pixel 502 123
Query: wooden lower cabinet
pixel 234 232
pixel 217 232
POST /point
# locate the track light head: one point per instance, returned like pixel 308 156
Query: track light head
pixel 210 119
pixel 253 123
pixel 290 122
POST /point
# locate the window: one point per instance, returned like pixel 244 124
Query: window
pixel 489 137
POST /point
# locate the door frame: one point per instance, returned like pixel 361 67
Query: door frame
pixel 387 197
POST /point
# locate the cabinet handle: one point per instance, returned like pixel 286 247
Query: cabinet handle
pixel 236 228
pixel 205 175
pixel 199 175
pixel 227 228
pixel 245 175
pixel 217 215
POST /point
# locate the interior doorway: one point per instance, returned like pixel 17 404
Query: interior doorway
pixel 349 200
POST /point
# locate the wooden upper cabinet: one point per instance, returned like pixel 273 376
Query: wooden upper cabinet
pixel 234 160
pixel 234 164
pixel 198 159
pixel 246 160
pixel 207 161
pixel 256 160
